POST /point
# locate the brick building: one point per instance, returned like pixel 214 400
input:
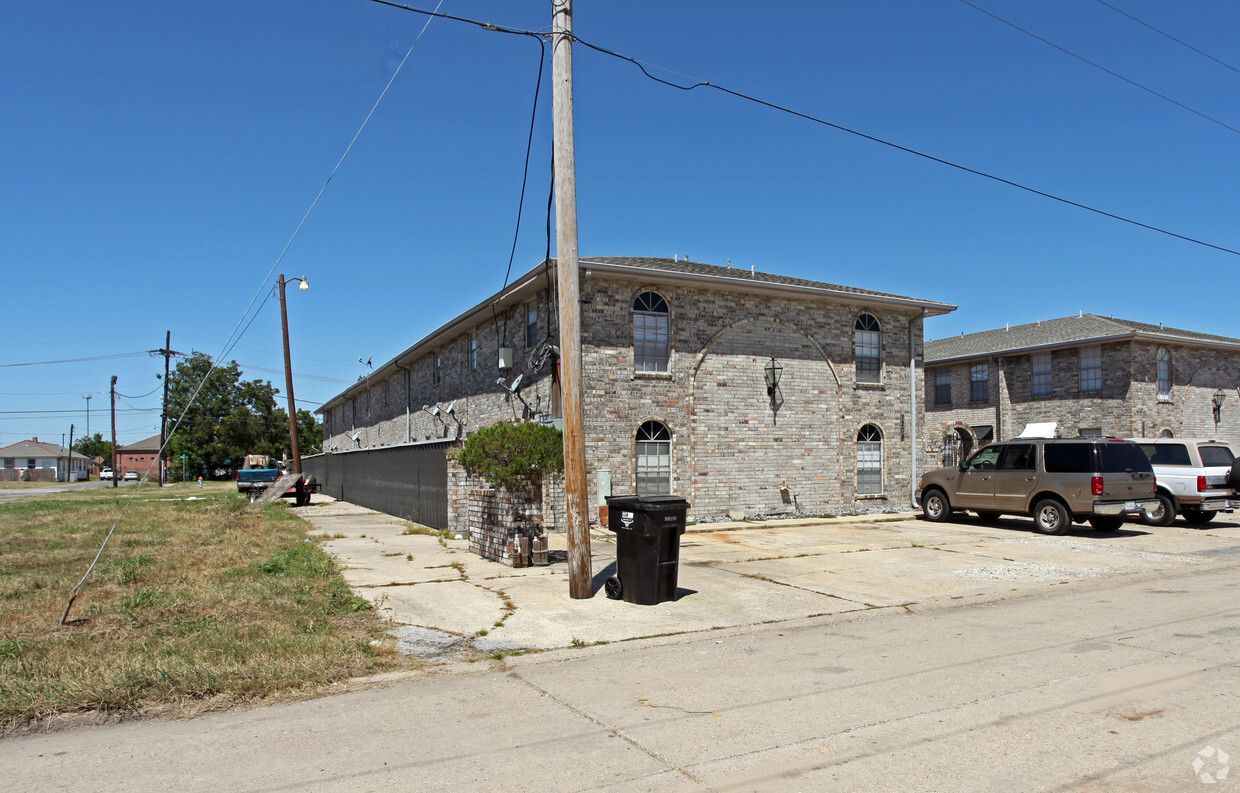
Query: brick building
pixel 1090 374
pixel 675 355
pixel 140 456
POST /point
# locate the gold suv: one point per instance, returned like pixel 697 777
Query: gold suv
pixel 1054 481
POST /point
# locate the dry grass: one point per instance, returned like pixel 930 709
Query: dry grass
pixel 212 600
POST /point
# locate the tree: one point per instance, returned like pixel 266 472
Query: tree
pixel 95 446
pixel 229 418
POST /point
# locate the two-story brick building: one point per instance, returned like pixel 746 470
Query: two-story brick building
pixel 1091 375
pixel 675 365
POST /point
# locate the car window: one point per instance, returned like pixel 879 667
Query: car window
pixel 1017 457
pixel 1215 455
pixel 1167 453
pixel 1117 458
pixel 1067 458
pixel 985 459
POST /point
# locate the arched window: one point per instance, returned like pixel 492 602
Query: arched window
pixel 1166 434
pixel 654 459
pixel 869 461
pixel 868 349
pixel 1164 373
pixel 651 333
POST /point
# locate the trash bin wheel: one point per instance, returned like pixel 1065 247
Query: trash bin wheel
pixel 613 587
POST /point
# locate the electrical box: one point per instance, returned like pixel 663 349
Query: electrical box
pixel 505 357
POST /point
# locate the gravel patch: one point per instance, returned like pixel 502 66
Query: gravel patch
pixel 439 647
pixel 1036 571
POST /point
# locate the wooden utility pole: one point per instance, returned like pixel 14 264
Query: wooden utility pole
pixel 294 444
pixel 116 474
pixel 580 577
pixel 167 352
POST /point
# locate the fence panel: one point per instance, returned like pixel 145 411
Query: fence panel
pixel 409 482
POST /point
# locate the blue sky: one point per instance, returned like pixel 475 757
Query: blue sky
pixel 157 157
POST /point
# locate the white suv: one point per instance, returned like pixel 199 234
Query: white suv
pixel 1192 475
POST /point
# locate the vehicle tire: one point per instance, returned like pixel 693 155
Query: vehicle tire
pixel 1051 516
pixel 934 505
pixel 1107 522
pixel 1198 517
pixel 1233 476
pixel 1161 516
pixel 613 587
pixel 987 517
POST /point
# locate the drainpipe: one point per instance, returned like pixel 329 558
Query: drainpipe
pixel 912 403
pixel 408 419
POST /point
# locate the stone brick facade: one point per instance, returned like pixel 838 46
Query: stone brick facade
pixel 729 451
pixel 1127 404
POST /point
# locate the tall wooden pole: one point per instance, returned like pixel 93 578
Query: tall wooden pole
pixel 116 468
pixel 580 577
pixel 288 382
pixel 163 418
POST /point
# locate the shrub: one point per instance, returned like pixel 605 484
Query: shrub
pixel 513 456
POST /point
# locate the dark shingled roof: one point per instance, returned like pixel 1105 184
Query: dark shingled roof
pixel 716 271
pixel 1081 329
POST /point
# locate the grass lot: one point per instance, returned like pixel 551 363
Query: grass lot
pixel 194 604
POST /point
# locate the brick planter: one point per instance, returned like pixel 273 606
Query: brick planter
pixel 502 528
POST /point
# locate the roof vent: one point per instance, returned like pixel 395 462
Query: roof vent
pixel 675 257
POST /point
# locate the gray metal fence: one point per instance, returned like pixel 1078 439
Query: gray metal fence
pixel 409 481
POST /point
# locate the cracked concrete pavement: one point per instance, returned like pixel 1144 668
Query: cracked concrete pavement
pixel 739 574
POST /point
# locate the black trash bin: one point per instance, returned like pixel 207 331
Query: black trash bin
pixel 648 530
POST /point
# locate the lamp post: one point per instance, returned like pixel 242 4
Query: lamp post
pixel 1220 396
pixel 303 285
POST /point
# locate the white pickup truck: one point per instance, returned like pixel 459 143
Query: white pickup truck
pixel 1194 479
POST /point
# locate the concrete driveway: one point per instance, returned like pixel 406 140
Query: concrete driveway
pixel 741 574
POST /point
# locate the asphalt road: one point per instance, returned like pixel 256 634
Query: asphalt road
pixel 1125 683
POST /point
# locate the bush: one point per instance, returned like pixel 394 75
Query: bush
pixel 513 456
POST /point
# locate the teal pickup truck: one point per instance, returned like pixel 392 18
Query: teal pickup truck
pixel 257 473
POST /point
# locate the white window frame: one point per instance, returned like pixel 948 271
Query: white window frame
pixel 1041 381
pixel 1089 361
pixel 652 333
pixel 979 373
pixel 869 461
pixel 1164 373
pixel 652 459
pixel 868 349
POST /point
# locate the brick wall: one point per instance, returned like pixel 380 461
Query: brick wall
pixel 729 451
pixel 1127 405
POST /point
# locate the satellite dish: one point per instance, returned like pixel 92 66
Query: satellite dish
pixel 516 384
pixel 435 411
pixel 451 407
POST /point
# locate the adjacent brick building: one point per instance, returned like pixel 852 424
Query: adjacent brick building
pixel 141 456
pixel 1090 374
pixel 675 355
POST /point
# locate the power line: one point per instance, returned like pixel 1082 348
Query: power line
pixel 77 360
pixel 1168 35
pixel 872 138
pixel 1100 67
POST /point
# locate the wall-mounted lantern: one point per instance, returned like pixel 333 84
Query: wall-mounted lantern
pixel 1220 396
pixel 773 372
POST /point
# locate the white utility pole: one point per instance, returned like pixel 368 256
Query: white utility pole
pixel 580 583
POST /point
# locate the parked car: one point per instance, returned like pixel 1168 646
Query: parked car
pixel 1056 481
pixel 106 474
pixel 131 476
pixel 1192 478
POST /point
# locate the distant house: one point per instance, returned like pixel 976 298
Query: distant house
pixel 676 356
pixel 35 461
pixel 1092 375
pixel 140 456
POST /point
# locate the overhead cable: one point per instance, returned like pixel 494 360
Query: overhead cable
pixel 1100 67
pixel 872 138
pixel 1168 35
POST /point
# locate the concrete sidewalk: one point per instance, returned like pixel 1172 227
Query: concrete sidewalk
pixel 731 575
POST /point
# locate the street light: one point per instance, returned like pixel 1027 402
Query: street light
pixel 1220 396
pixel 773 371
pixel 288 381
